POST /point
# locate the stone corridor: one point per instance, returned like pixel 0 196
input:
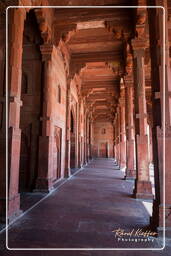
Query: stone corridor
pixel 83 212
pixel 86 125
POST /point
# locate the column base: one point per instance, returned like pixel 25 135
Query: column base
pixel 123 155
pixel 85 163
pixel 130 175
pixel 14 207
pixel 67 172
pixel 44 185
pixel 143 190
pixel 79 166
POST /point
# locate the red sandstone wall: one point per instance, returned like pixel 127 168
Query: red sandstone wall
pixel 103 142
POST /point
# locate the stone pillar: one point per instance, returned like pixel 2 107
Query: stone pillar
pixel 143 187
pixel 115 141
pixel 68 129
pixel 45 162
pixel 150 142
pixel 118 136
pixel 122 128
pixel 2 122
pixel 16 28
pixel 130 129
pixel 87 140
pixel 90 139
pixel 161 132
pixel 84 135
pixel 115 138
pixel 79 133
pixel 166 131
pixel 114 155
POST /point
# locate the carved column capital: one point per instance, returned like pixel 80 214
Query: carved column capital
pixel 129 81
pixel 139 46
pixel 46 51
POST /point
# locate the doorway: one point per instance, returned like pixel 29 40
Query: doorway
pixel 31 91
pixel 103 150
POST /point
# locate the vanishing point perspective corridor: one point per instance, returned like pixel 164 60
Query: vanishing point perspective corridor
pixel 85 125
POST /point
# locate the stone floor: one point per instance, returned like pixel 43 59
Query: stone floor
pixel 82 213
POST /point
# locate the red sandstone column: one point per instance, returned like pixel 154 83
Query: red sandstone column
pixel 79 134
pixel 2 123
pixel 45 167
pixel 150 144
pixel 90 140
pixel 130 149
pixel 115 138
pixel 114 155
pixel 143 187
pixel 167 121
pixel 158 129
pixel 16 28
pixel 122 129
pixel 87 139
pixel 68 132
pixel 118 136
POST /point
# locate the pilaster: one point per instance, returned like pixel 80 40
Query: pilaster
pixel 45 160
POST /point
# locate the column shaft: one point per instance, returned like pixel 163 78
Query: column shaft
pixel 16 28
pixel 68 128
pixel 130 149
pixel 122 130
pixel 45 168
pixel 143 187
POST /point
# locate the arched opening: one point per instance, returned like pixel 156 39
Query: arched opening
pixel 31 103
pixel 73 138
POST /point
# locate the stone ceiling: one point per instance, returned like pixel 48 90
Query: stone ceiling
pixel 97 43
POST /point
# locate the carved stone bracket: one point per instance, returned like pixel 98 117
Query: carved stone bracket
pixel 141 17
pixel 63 33
pixel 46 32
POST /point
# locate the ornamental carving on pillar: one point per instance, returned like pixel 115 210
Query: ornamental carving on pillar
pixel 46 51
pixel 46 32
pixel 138 45
pixel 141 17
pixel 129 59
pixel 128 80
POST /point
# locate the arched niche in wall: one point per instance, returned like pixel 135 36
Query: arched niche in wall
pixel 31 92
